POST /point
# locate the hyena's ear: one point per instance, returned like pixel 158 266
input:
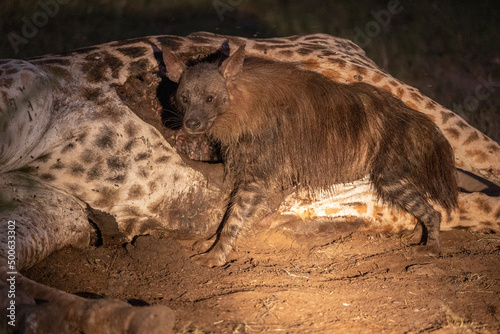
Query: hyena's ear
pixel 233 65
pixel 175 66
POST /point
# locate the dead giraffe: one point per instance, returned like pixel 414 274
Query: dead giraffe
pixel 72 140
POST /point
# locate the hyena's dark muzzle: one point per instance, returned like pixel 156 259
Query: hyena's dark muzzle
pixel 196 122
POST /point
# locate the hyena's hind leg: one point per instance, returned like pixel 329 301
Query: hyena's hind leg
pixel 408 197
pixel 248 203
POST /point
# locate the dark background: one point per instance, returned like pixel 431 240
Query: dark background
pixel 447 49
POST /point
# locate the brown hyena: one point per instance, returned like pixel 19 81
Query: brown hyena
pixel 280 126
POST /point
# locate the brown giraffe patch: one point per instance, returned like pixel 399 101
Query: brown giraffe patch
pixel 152 186
pixel 76 169
pixel 359 69
pixel 44 158
pixel 139 66
pixel 332 211
pixel 360 208
pixel 387 88
pixel 328 53
pixel 67 148
pixel 97 64
pixel 91 94
pixel 111 112
pixel 315 47
pixel 105 139
pixel 142 156
pixel 338 62
pixel 5 98
pixel 452 132
pixel 431 105
pixel 493 148
pixel 47 177
pixel 400 92
pixel 285 53
pixel 377 77
pixel 163 159
pixel 95 172
pixel 483 205
pixel 73 187
pixel 171 42
pixel 131 129
pixel 107 196
pixel 472 138
pixel 446 116
pixel 58 165
pixel 304 51
pixel 129 145
pixel 393 83
pixel 461 124
pixel 156 207
pixel 332 74
pixel 117 179
pixel 135 192
pixel 88 156
pixel 115 164
pixel 143 173
pixel 416 97
pixel 133 51
pixel 11 71
pixel 6 82
pixel 478 155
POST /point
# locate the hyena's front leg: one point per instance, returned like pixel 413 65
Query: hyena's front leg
pixel 248 204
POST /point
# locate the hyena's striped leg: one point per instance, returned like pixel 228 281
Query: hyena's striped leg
pixel 248 204
pixel 414 202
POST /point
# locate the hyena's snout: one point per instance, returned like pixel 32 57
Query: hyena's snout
pixel 197 122
pixel 192 124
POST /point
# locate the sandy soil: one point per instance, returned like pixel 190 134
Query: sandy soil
pixel 284 282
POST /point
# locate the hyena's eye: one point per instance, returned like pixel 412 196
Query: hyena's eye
pixel 184 99
pixel 210 99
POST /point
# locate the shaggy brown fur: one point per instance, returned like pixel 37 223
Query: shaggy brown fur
pixel 282 126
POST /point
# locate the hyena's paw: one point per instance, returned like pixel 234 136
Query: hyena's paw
pixel 432 250
pixel 210 259
pixel 202 246
pixel 415 236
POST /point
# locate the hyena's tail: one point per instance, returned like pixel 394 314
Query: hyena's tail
pixel 415 163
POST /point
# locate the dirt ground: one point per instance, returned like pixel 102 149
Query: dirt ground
pixel 349 282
